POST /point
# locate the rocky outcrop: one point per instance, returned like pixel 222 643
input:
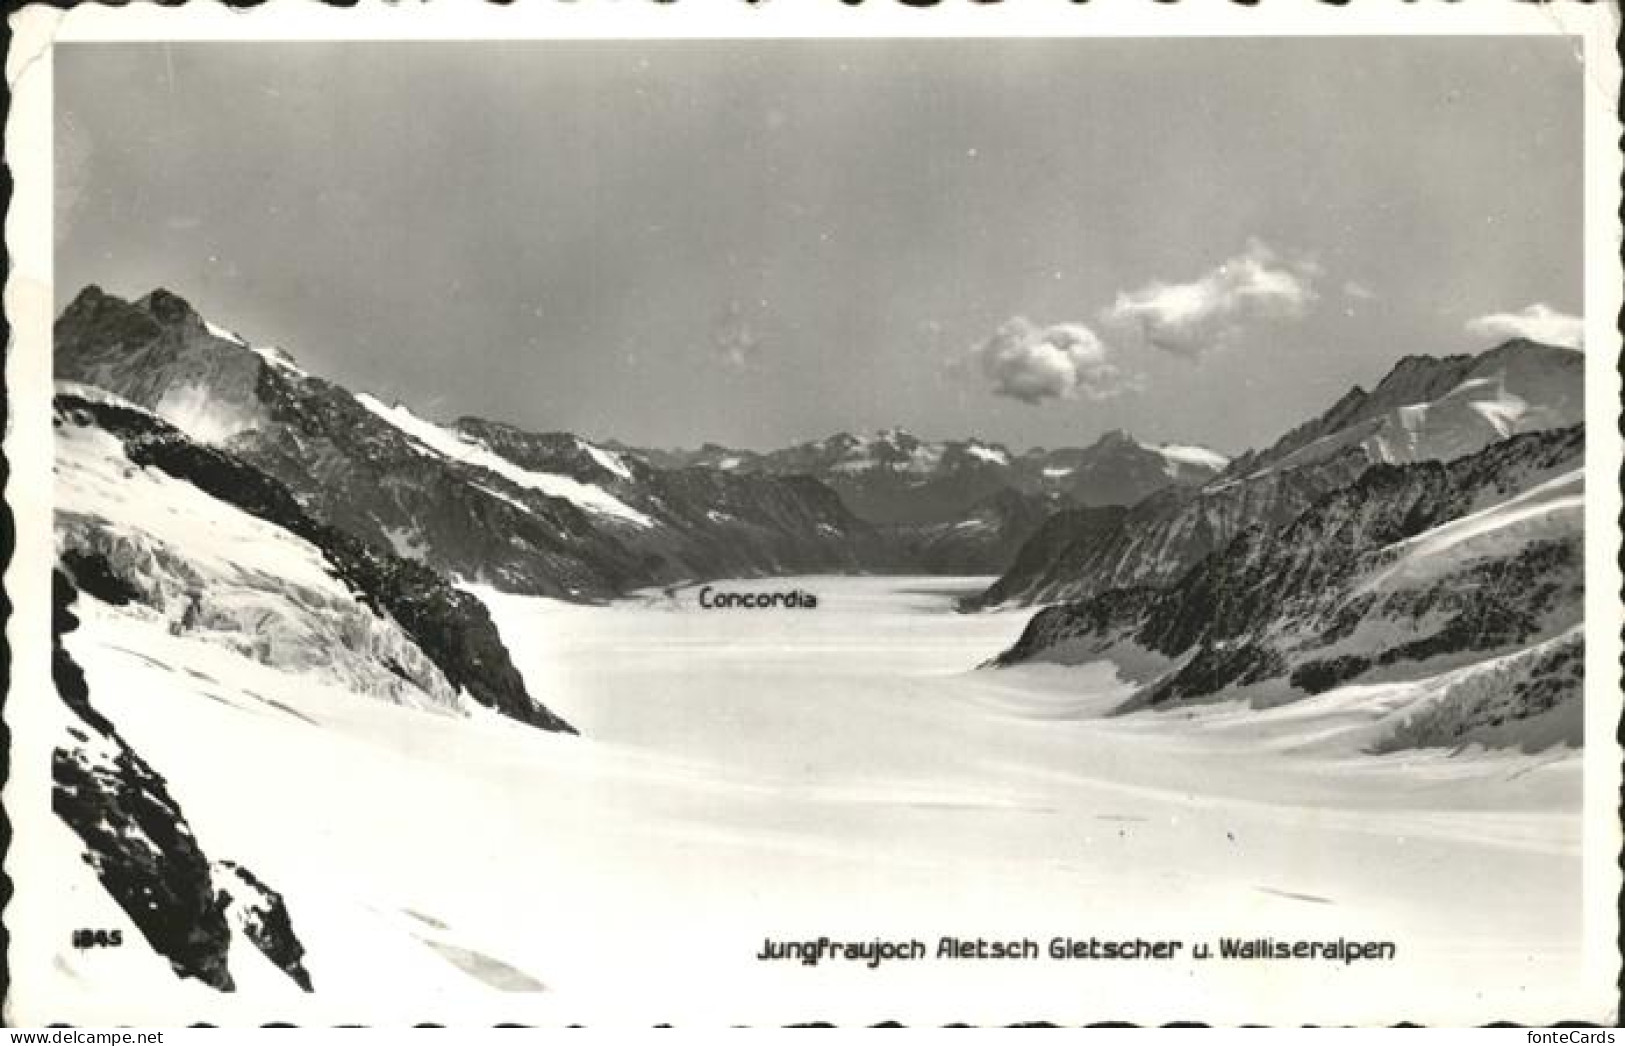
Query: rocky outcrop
pixel 1078 541
pixel 1530 699
pixel 1270 574
pixel 261 915
pixel 1412 565
pixel 1079 554
pixel 142 849
pixel 448 627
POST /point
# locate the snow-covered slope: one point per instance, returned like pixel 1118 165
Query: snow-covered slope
pixel 1551 509
pixel 207 578
pixel 213 921
pixel 458 447
pixel 1195 457
pixel 193 539
pixel 204 567
pixel 477 868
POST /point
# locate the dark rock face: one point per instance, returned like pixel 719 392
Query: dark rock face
pixel 135 837
pixel 1265 575
pixel 1120 470
pixel 451 627
pixel 1079 554
pixel 93 574
pixel 1301 602
pixel 988 535
pixel 1078 541
pixel 148 350
pixel 139 843
pixel 361 474
pixel 763 525
pixel 262 916
pixel 1097 622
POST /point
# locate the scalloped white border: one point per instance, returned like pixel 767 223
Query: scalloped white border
pixel 28 302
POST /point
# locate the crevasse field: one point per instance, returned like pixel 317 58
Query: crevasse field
pixel 842 772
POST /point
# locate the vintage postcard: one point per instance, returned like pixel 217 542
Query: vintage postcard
pixel 728 515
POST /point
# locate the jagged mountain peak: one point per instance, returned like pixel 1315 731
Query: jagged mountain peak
pixel 165 306
pixel 1421 363
pixel 1528 355
pixel 111 318
pixel 1117 437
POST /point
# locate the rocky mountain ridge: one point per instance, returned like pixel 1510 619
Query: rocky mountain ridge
pixel 1408 572
pixel 896 478
pixel 1424 409
pixel 580 523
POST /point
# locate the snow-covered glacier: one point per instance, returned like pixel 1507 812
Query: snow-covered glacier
pixel 199 566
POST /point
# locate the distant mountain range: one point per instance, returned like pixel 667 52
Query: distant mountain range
pixel 893 477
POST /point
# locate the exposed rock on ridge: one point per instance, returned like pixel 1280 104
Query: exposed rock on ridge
pixel 1406 569
pixel 143 850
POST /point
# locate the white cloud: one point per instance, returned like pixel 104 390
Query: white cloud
pixel 1358 290
pixel 1032 364
pixel 1207 313
pixel 1537 322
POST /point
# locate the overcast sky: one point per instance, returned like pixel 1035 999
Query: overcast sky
pixel 758 243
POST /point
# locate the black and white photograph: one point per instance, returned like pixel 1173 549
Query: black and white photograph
pixel 781 525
